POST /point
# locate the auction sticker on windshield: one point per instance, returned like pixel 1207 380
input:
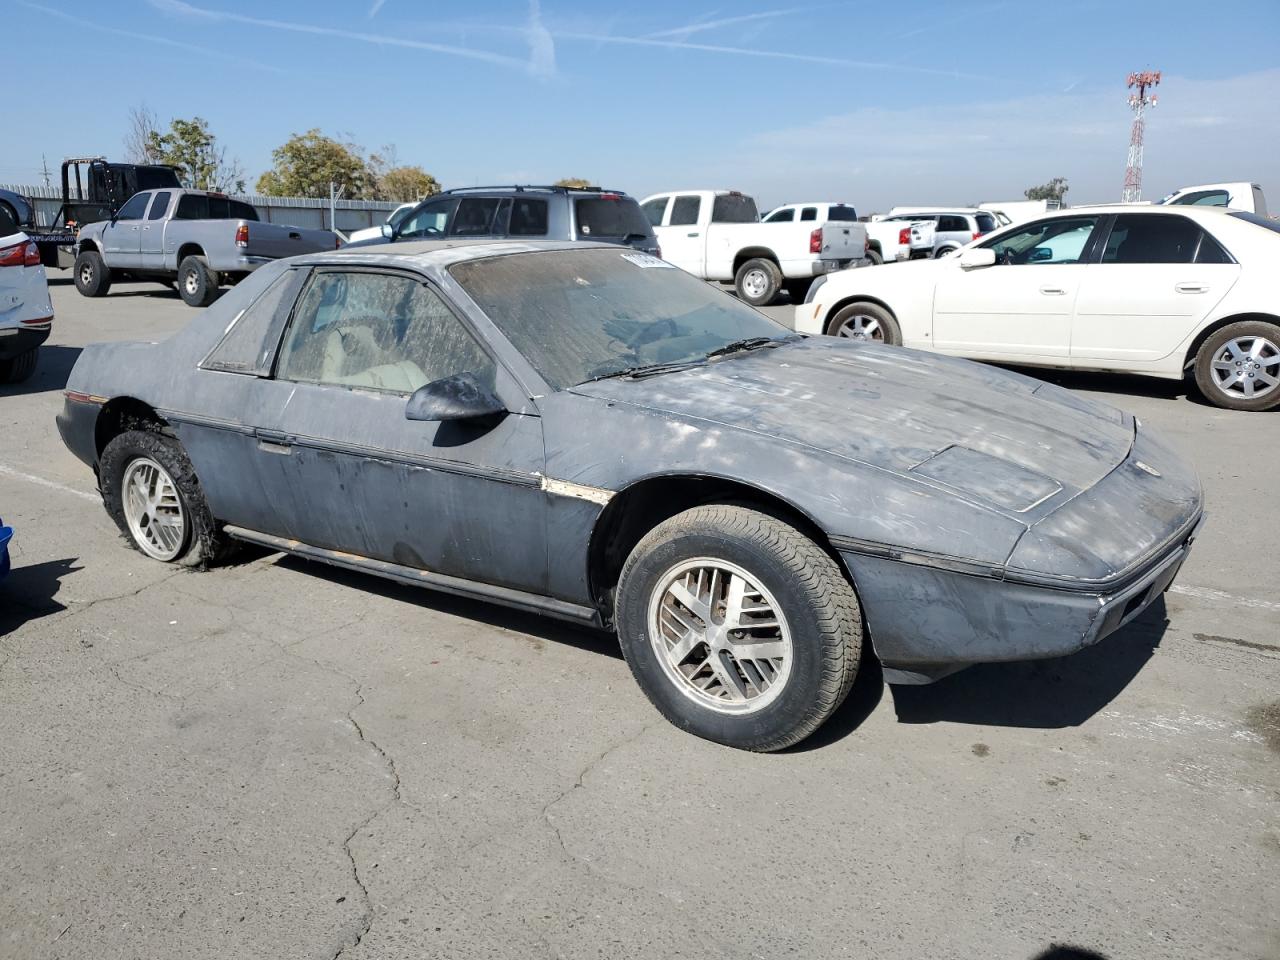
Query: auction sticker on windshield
pixel 646 260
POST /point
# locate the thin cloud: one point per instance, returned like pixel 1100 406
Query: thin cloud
pixel 542 46
pixel 770 54
pixel 377 5
pixel 148 37
pixel 182 8
pixel 699 26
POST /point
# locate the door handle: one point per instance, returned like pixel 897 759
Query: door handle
pixel 1053 291
pixel 1191 287
pixel 695 234
pixel 294 235
pixel 273 441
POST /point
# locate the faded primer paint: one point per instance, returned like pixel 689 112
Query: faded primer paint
pixel 982 515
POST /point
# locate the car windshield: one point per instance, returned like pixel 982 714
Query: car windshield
pixel 581 314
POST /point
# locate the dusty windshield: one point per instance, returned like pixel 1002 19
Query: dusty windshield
pixel 580 314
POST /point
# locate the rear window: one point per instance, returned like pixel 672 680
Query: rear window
pixel 152 178
pixel 195 206
pixel 734 208
pixel 986 222
pixel 1264 222
pixel 607 217
pixel 841 212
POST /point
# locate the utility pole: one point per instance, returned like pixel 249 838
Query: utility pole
pixel 335 192
pixel 44 164
pixel 1138 103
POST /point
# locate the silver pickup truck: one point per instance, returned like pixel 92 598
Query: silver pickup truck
pixel 202 240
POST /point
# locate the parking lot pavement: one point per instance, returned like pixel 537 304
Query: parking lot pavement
pixel 275 759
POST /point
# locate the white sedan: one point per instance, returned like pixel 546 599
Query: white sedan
pixel 26 313
pixel 1148 290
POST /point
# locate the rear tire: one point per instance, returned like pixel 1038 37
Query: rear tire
pixel 173 524
pixel 197 284
pixel 19 368
pixel 92 276
pixel 875 257
pixel 1241 357
pixel 758 282
pixel 943 251
pixel 865 321
pixel 773 681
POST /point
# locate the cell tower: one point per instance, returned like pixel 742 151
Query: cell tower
pixel 1138 103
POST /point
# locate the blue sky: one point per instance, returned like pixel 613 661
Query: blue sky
pixel 874 104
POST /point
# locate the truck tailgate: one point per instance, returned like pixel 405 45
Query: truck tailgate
pixel 843 240
pixel 276 241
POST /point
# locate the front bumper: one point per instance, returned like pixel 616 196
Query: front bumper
pixel 15 341
pixel 927 622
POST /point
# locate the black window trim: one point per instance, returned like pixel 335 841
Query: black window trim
pixel 277 338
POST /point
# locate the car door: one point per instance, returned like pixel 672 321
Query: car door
pixel 1157 278
pixel 151 238
pixel 122 237
pixel 347 471
pixel 681 237
pixel 1021 307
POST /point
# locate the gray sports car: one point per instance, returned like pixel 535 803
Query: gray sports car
pixel 590 433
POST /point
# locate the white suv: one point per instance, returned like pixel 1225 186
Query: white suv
pixel 26 313
pixel 1142 289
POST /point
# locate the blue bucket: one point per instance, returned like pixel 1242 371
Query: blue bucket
pixel 6 534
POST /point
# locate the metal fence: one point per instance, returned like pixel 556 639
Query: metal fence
pixel 295 211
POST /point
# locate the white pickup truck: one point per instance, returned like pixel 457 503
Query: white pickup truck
pixel 717 235
pixel 1237 196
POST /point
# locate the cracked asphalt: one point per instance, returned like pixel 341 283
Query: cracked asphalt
pixel 278 759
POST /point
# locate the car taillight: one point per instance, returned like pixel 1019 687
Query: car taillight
pixel 659 253
pixel 337 241
pixel 25 254
pixel 815 241
pixel 904 236
pixel 242 235
pixel 976 236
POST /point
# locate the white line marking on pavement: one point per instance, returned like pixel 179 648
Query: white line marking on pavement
pixel 1221 596
pixel 41 481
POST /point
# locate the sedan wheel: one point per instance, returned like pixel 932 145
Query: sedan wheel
pixel 738 627
pixel 1238 367
pixel 720 636
pixel 153 509
pixel 861 327
pixel 868 322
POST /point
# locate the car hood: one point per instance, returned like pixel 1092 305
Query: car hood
pixel 986 434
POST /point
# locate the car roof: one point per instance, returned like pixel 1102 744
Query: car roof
pixel 443 253
pixel 1157 208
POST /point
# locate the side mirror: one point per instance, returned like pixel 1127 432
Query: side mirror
pixel 977 258
pixel 460 397
pixel 1040 255
pixel 388 231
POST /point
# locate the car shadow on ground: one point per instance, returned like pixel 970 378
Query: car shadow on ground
pixel 28 592
pixel 1128 385
pixel 1065 952
pixel 503 618
pixel 53 367
pixel 1050 694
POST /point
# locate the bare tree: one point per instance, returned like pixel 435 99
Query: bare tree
pixel 140 136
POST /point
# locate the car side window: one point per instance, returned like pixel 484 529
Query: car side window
pixel 135 207
pixel 952 224
pixel 528 217
pixel 782 216
pixel 244 348
pixel 429 221
pixel 1211 251
pixel 1204 198
pixel 809 213
pixel 685 210
pixel 475 217
pixel 1061 240
pixel 1152 238
pixel 377 331
pixel 159 205
pixel 654 210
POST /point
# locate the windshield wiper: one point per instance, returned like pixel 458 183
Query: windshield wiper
pixel 749 343
pixel 645 370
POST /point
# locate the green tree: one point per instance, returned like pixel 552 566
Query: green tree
pixel 406 183
pixel 1053 190
pixel 194 150
pixel 307 163
pixel 573 182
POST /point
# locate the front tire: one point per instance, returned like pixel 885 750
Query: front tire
pixel 197 284
pixel 758 282
pixel 150 490
pixel 738 627
pixel 865 321
pixel 1239 366
pixel 92 276
pixel 19 368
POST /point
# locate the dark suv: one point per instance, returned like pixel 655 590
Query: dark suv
pixel 536 213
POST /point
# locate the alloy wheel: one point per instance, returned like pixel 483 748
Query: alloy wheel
pixel 1247 367
pixel 720 636
pixel 861 327
pixel 153 509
